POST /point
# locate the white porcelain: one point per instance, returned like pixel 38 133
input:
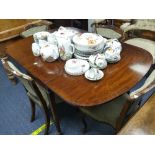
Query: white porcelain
pixel 98 61
pixel 40 36
pixel 42 43
pixel 114 44
pixel 52 39
pixel 88 53
pixel 111 56
pixel 66 32
pixel 76 66
pixel 89 42
pixel 66 48
pixel 80 57
pixel 94 74
pixel 49 53
pixel 36 49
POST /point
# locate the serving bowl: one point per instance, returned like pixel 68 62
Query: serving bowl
pixel 89 42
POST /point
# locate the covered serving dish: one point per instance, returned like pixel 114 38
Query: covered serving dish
pixel 89 42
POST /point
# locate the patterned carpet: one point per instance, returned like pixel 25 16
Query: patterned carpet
pixel 15 113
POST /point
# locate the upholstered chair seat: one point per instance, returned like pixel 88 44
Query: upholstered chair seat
pixel 119 110
pixel 108 112
pixel 108 33
pixel 106 29
pixel 147 82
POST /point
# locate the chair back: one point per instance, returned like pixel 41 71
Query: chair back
pixel 107 29
pixel 31 86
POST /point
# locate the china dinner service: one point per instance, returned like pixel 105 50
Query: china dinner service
pixel 92 52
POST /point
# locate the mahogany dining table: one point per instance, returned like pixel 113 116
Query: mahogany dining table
pixel 78 91
pixel 118 78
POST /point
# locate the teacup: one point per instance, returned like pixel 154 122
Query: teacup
pixel 40 36
pixel 36 49
pixel 49 53
pixel 93 73
pixel 98 61
pixel 114 44
pixel 112 56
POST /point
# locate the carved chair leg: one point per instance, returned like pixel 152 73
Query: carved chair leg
pixel 47 120
pixel 33 110
pixel 54 114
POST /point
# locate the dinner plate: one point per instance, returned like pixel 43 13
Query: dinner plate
pixel 80 57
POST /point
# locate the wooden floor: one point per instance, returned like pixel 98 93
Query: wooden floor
pixel 143 122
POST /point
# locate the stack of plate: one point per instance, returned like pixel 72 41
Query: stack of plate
pixel 85 54
pixel 87 44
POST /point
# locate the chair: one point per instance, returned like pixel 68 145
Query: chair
pixel 143 122
pixel 141 33
pixel 37 95
pixel 107 29
pixel 118 111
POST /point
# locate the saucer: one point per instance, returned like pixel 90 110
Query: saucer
pixel 99 75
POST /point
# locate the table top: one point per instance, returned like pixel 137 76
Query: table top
pixel 143 122
pixel 77 90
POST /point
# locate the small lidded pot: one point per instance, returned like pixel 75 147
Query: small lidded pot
pixel 112 56
pixel 98 61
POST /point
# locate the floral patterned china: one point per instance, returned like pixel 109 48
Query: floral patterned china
pixel 98 61
pixel 66 32
pixel 94 74
pixel 52 39
pixel 91 51
pixel 89 42
pixel 66 48
pixel 36 49
pixel 43 35
pixel 76 66
pixel 49 53
pixel 114 44
pixel 111 56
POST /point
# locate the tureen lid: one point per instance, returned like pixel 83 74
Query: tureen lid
pixel 88 39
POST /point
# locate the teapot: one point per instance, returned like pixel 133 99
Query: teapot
pixel 49 53
pixel 65 47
